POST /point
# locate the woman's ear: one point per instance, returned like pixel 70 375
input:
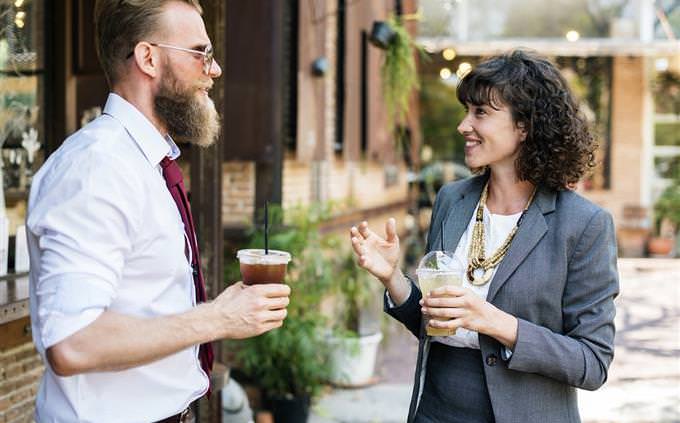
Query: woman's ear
pixel 522 128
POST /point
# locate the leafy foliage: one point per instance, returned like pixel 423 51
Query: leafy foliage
pixel 293 360
pixel 399 72
pixel 668 204
pixel 667 92
pixel 355 289
pixel 439 118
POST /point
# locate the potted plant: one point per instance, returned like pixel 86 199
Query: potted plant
pixel 356 334
pixel 667 219
pixel 398 71
pixel 290 364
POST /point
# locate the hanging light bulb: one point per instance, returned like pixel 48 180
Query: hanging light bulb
pixel 449 54
pixel 572 36
pixel 463 69
pixel 445 73
pixel 19 19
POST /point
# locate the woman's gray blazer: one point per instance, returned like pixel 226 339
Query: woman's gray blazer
pixel 559 279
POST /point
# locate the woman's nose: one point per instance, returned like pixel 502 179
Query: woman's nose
pixel 464 126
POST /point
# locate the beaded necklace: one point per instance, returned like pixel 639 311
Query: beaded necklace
pixel 476 255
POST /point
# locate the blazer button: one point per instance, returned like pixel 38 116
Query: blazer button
pixel 491 360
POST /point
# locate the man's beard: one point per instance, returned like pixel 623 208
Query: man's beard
pixel 187 117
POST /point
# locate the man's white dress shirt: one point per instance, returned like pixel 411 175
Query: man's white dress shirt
pixel 105 234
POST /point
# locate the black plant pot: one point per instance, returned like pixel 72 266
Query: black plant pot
pixel 290 410
pixel 382 34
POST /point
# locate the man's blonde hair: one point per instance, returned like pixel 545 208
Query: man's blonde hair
pixel 121 24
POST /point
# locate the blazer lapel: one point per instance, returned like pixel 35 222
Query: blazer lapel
pixel 458 216
pixel 530 232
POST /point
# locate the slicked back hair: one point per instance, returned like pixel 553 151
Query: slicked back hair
pixel 121 24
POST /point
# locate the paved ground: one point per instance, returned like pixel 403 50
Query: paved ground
pixel 644 380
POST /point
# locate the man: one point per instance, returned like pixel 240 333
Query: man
pixel 114 278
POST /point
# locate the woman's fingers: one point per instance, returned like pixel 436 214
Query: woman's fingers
pixel 443 313
pixel 446 324
pixel 445 302
pixel 365 232
pixel 391 230
pixel 357 246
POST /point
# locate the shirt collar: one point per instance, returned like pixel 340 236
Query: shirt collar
pixel 153 145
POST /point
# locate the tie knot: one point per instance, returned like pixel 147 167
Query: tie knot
pixel 167 161
pixel 171 172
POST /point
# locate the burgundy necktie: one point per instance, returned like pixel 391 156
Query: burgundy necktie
pixel 175 182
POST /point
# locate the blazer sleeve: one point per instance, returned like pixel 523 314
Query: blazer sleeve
pixel 581 355
pixel 408 312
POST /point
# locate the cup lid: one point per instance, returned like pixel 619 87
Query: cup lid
pixel 258 256
pixel 440 261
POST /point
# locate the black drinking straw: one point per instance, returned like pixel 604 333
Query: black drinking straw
pixel 266 227
pixel 441 236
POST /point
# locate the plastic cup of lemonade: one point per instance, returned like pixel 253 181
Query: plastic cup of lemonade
pixel 438 269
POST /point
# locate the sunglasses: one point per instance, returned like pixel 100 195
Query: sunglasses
pixel 207 54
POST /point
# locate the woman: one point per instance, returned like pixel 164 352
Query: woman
pixel 535 313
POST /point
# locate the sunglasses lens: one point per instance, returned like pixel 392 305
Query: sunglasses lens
pixel 208 59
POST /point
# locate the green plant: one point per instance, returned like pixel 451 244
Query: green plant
pixel 293 360
pixel 399 72
pixel 667 92
pixel 355 289
pixel 667 206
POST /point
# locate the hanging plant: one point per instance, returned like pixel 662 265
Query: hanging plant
pixel 399 72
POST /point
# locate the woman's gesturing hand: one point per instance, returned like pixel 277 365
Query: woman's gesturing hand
pixel 378 255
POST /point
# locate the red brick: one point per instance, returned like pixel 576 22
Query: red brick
pixel 5 403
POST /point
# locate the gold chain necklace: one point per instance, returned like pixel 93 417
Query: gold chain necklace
pixel 476 255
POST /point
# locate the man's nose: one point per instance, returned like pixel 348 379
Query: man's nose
pixel 215 70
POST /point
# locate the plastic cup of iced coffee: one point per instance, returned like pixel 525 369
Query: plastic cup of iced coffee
pixel 438 269
pixel 258 267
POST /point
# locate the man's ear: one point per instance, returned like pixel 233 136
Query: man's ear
pixel 145 58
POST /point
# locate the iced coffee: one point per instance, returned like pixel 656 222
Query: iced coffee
pixel 259 267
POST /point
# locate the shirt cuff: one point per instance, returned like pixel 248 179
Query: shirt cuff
pixel 506 353
pixel 69 303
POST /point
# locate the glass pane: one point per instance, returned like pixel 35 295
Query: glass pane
pixel 666 167
pixel 667 134
pixel 21 92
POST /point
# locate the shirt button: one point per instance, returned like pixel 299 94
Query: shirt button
pixel 491 360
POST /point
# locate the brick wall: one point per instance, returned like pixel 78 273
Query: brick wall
pixel 238 193
pixel 20 373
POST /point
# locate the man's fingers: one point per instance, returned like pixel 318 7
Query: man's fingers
pixel 275 315
pixel 272 290
pixel 278 303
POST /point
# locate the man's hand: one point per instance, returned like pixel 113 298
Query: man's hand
pixel 116 341
pixel 244 311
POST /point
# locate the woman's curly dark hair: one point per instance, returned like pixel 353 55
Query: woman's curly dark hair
pixel 559 148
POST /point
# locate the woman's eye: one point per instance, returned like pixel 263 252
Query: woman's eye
pixel 480 111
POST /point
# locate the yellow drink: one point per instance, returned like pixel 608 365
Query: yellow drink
pixel 433 279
